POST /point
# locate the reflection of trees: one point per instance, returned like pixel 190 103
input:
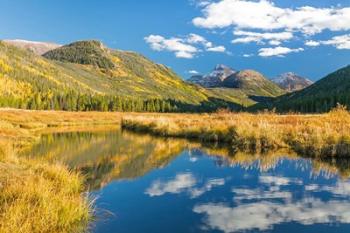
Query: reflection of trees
pixel 228 156
pixel 332 166
pixel 106 155
pixel 103 156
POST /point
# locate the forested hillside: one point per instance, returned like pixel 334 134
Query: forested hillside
pixel 88 76
pixel 320 97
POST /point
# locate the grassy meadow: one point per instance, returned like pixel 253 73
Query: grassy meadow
pixel 321 135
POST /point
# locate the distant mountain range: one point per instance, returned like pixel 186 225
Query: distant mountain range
pixel 86 75
pixel 224 76
pixel 250 82
pixel 292 82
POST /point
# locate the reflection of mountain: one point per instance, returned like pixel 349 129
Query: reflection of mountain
pixel 104 156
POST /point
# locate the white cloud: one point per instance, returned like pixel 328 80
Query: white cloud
pixel 197 39
pixel 200 3
pixel 219 49
pixel 176 45
pixel 194 72
pixel 312 43
pixel 340 42
pixel 277 51
pixel 265 15
pixel 186 47
pixel 274 38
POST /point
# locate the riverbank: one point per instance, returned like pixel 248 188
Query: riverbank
pixel 37 196
pixel 326 135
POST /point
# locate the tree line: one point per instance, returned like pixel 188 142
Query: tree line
pixel 72 101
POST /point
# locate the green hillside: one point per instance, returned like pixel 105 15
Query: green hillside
pixel 73 82
pixel 319 97
pixel 85 75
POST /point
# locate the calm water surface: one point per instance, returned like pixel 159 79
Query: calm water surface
pixel 146 184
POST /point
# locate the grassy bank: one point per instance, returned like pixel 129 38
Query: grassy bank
pixel 37 197
pixel 311 135
pixel 22 127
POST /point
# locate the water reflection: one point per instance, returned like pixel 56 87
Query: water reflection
pixel 273 201
pixel 169 185
pixel 184 182
pixel 107 155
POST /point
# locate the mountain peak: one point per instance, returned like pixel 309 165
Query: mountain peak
pixel 250 82
pixel 85 52
pixel 292 82
pixel 221 67
pixel 215 78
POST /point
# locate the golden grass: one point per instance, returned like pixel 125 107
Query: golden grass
pixel 40 198
pixel 37 197
pixel 310 135
pixel 23 126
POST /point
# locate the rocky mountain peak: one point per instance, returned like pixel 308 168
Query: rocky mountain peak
pixel 292 82
pixel 215 78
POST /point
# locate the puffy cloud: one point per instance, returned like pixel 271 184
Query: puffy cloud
pixel 312 43
pixel 265 15
pixel 340 42
pixel 219 49
pixel 277 51
pixel 177 45
pixel 274 38
pixel 182 47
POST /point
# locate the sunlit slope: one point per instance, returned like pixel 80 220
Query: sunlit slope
pixel 120 73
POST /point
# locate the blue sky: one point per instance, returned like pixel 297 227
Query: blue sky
pixel 311 38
